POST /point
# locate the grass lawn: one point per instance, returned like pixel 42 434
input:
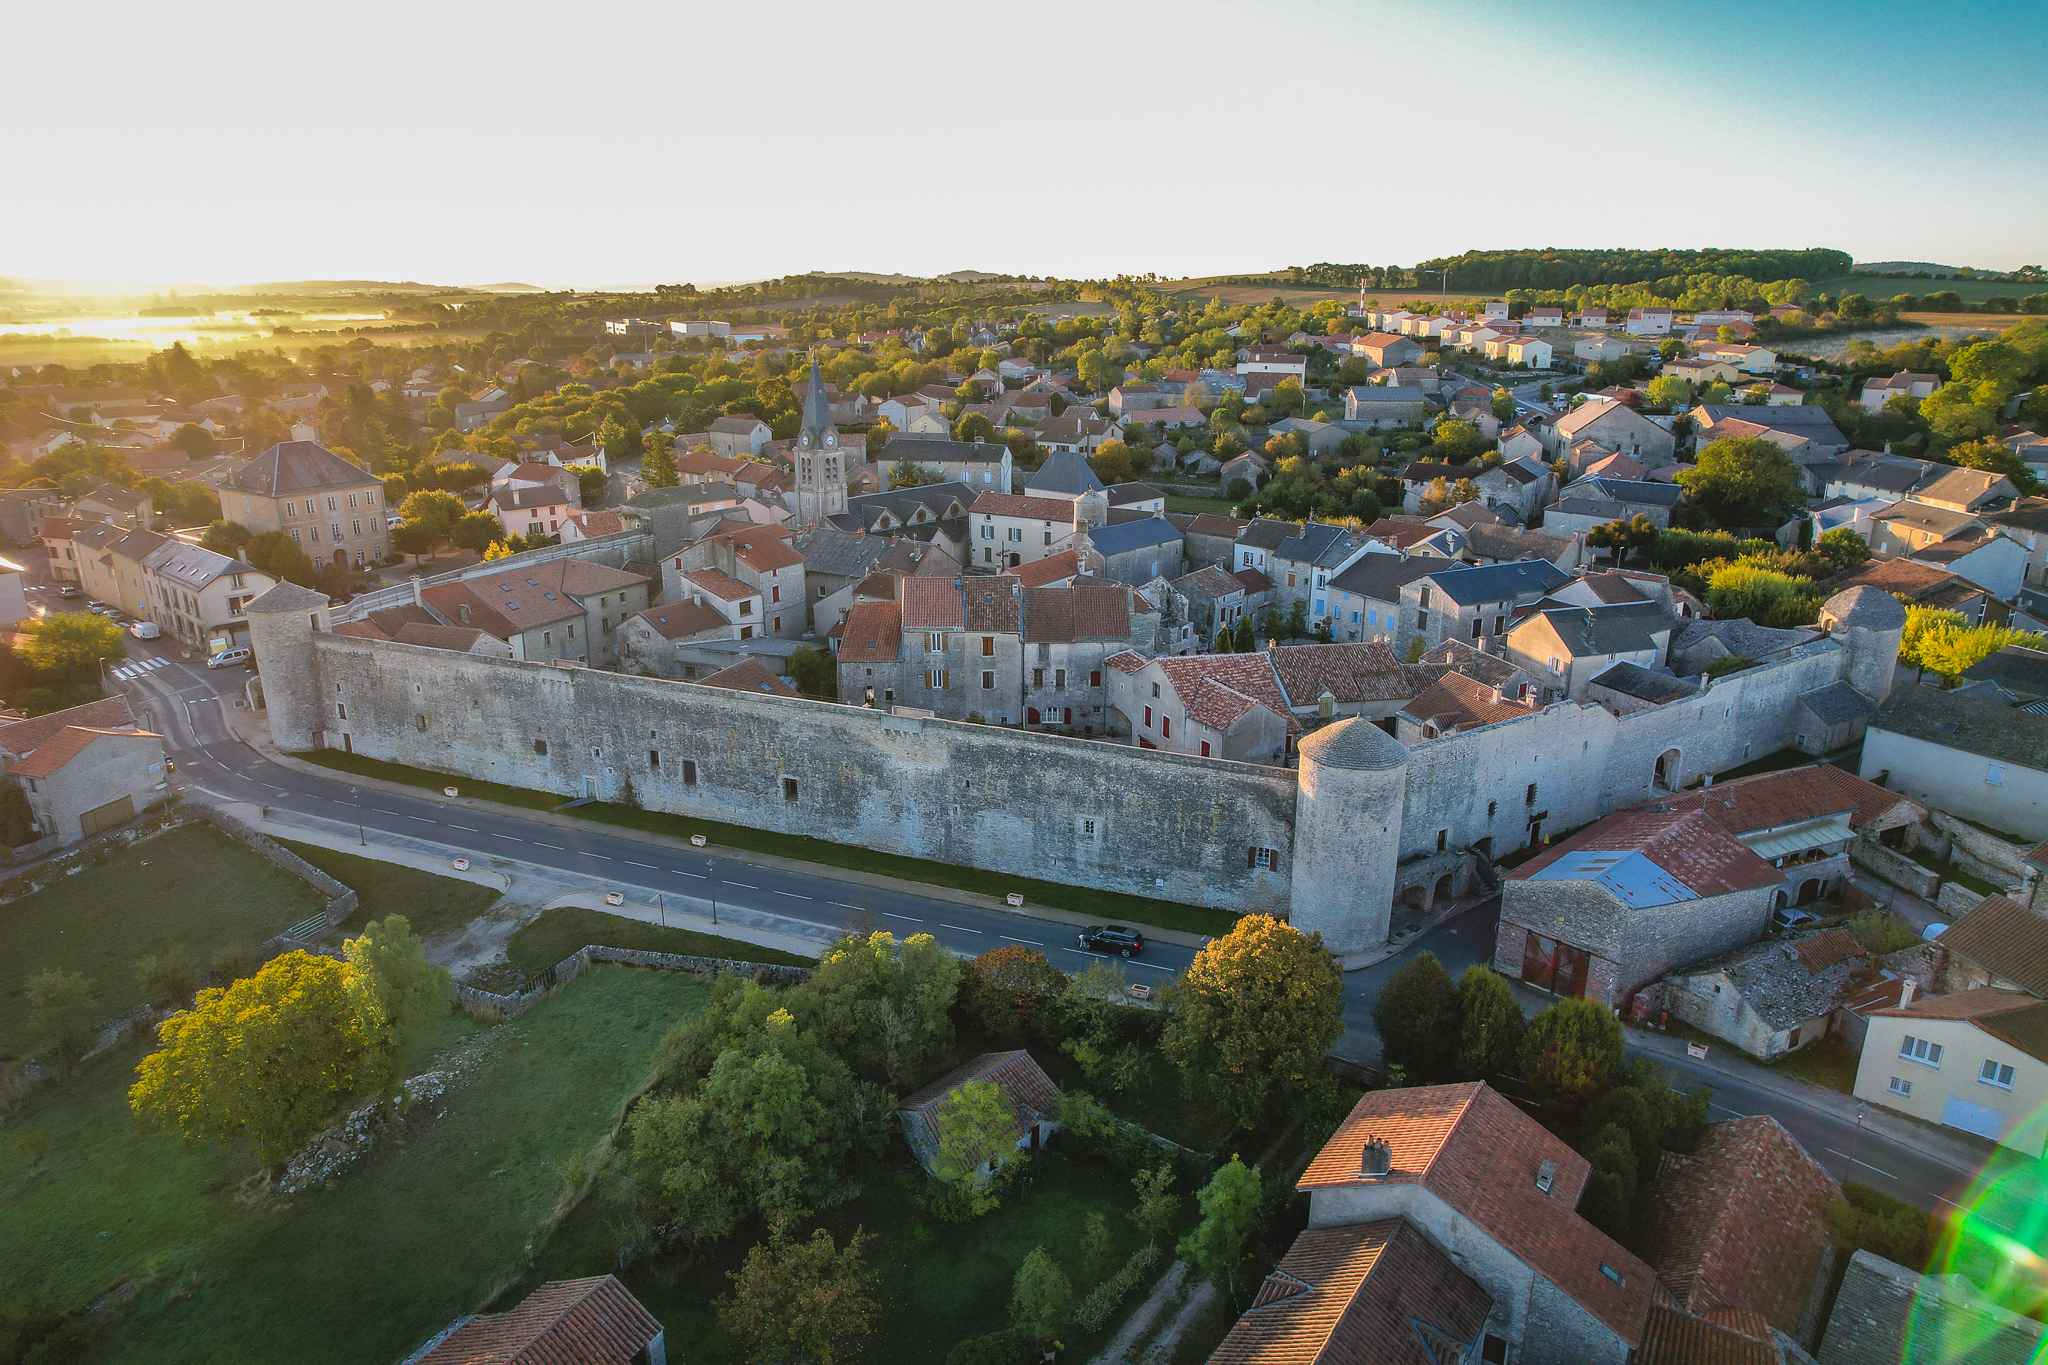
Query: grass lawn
pixel 1829 1062
pixel 424 1228
pixel 557 933
pixel 1222 507
pixel 432 905
pixel 1115 906
pixel 1951 873
pixel 193 889
pixel 941 1282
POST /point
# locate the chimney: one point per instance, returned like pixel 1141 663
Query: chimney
pixel 1905 992
pixel 1376 1159
pixel 416 599
pixel 1546 1176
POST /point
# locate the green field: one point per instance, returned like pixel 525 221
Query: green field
pixel 1108 905
pixel 193 890
pixel 1222 507
pixel 425 1227
pixel 554 934
pixel 1969 291
pixel 431 905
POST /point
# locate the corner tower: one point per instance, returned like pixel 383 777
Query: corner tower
pixel 282 624
pixel 1869 624
pixel 819 458
pixel 1347 834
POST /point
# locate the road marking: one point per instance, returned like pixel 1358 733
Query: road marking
pixel 1732 1113
pixel 891 914
pixel 847 905
pixel 678 872
pixel 958 928
pixel 538 844
pixel 1032 941
pixel 465 829
pixel 275 789
pixel 630 863
pixel 1977 1218
pixel 1864 1164
pixel 606 856
pixel 793 895
pixel 381 811
pixel 749 885
pixel 423 819
pixel 513 837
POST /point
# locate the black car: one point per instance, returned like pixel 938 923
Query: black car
pixel 1113 938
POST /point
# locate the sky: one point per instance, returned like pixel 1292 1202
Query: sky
pixel 633 143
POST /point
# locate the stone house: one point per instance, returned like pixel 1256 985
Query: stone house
pixel 332 509
pixel 1322 437
pixel 538 510
pixel 1628 899
pixel 1325 683
pixel 1974 759
pixel 1302 565
pixel 1472 603
pixel 1885 1312
pixel 1454 702
pixel 1213 706
pixel 977 466
pixel 1210 539
pixel 199 597
pixel 1365 597
pixel 1070 632
pixel 594 1321
pixel 763 559
pixel 84 769
pixel 869 658
pixel 1209 600
pixel 1617 426
pixel 1597 500
pixel 962 648
pixel 1493 1191
pixel 1371 407
pixel 739 437
pixel 1568 647
pixel 1771 998
pixel 1008 530
pixel 1257 540
pixel 565 609
pixel 1136 551
pixel 1032 1097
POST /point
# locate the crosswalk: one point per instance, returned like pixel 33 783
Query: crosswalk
pixel 136 670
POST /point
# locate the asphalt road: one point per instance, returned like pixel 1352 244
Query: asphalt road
pixel 180 700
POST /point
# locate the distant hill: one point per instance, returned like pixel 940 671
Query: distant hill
pixel 1887 267
pixel 508 288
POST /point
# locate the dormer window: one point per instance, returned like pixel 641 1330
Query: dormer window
pixel 1546 1176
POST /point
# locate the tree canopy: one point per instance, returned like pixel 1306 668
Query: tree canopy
pixel 1744 481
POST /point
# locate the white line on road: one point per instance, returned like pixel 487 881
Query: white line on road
pixel 793 895
pixel 958 928
pixel 1977 1218
pixel 1731 1113
pixel 465 829
pixel 680 873
pixel 606 856
pixel 538 844
pixel 513 837
pixel 1864 1164
pixel 275 789
pixel 749 885
pixel 630 863
pixel 845 905
pixel 891 914
pixel 423 819
pixel 1032 941
pixel 381 811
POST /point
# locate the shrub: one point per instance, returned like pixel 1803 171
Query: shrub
pixel 1870 1220
pixel 169 975
pixel 1007 1347
pixel 1883 931
pixel 1098 1303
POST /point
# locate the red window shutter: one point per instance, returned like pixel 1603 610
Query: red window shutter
pixel 1251 857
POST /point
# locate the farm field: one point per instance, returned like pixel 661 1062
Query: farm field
pixel 1969 291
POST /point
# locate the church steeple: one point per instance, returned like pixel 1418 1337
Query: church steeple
pixel 817 431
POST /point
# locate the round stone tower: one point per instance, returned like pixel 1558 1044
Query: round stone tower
pixel 1347 834
pixel 282 623
pixel 1869 624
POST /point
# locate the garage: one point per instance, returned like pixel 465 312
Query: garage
pixel 106 817
pixel 1980 1119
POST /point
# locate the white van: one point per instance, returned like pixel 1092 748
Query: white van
pixel 228 658
pixel 144 630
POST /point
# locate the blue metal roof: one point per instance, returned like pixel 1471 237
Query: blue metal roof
pixel 1631 876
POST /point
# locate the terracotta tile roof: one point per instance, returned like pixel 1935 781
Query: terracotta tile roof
pixel 108 713
pixel 566 1322
pixel 993 605
pixel 1360 1295
pixel 460 604
pixel 1673 1337
pixel 67 744
pixel 1348 672
pixel 763 553
pixel 1472 1148
pixel 1923 583
pixel 1831 949
pixel 873 631
pixel 680 619
pixel 750 675
pixel 599 523
pixel 366 630
pixel 1050 569
pixel 1057 510
pixel 2001 936
pixel 539 592
pixel 1690 848
pixel 1211 581
pixel 1783 798
pixel 1129 661
pixel 461 638
pixel 1970 1004
pixel 721 584
pixel 1456 702
pixel 1248 676
pixel 1700 1221
pixel 877 586
pixel 1030 1091
pixel 1210 524
pixel 1253 580
pixel 933 604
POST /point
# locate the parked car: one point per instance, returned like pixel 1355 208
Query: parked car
pixel 1113 938
pixel 1792 917
pixel 96 607
pixel 68 590
pixel 145 630
pixel 228 658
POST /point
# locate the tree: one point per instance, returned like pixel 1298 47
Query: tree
pixel 226 538
pixel 1670 348
pixel 1610 1192
pixel 1744 481
pixel 1241 635
pixel 1922 623
pixel 1669 392
pixel 1571 1051
pixel 1843 548
pixel 17 818
pixel 977 1133
pixel 1230 1206
pixel 196 441
pixel 1416 1015
pixel 278 555
pixel 794 1302
pixel 1623 536
pixel 1253 1015
pixel 1955 415
pixel 1007 987
pixel 1951 650
pixel 658 467
pixel 1040 1295
pixel 434 508
pixel 414 538
pixel 67 646
pixel 268 1059
pixel 476 532
pixel 1853 308
pixel 814 672
pixel 1867 1219
pixel 412 991
pixel 1157 1204
pixel 1490 1025
pixel 1288 397
pixel 1503 406
pixel 1097 1246
pixel 906 473
pixel 62 1002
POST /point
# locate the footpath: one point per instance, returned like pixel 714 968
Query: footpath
pixel 251 730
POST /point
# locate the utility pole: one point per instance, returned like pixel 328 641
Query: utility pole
pixel 661 908
pixel 709 868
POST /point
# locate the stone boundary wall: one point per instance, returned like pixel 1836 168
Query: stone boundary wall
pixel 486 1005
pixel 341 901
pixel 1895 869
pixel 1956 900
pixel 1998 861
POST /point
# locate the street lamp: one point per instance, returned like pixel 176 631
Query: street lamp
pixel 1856 1143
pixel 361 838
pixel 709 867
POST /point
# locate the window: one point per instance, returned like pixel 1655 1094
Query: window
pixel 747 607
pixel 789 789
pixel 778 623
pixel 1920 1050
pixel 419 723
pixel 1995 1073
pixel 935 679
pixel 1090 829
pixel 1265 859
pixel 340 711
pixel 1095 678
pixel 1422 620
pixel 1901 1087
pixel 988 680
pixel 1038 677
pixel 1610 1272
pixel 540 746
pixel 1994 774
pixel 934 642
pixel 1166 727
pixel 547 637
pixel 988 646
pixel 356 526
pixel 1529 797
pixel 596 752
pixel 1059 679
pixel 1478 626
pixel 1492 808
pixel 1148 718
pixel 1155 689
pixel 654 759
pixel 689 772
pixel 1443 840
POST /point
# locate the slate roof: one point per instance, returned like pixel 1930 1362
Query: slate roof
pixel 829 550
pixel 1837 703
pixel 1617 628
pixel 1740 636
pixel 1885 1313
pixel 1999 935
pixel 1473 1149
pixel 1967 725
pixel 565 1322
pixel 1699 1222
pixel 923 450
pixel 1348 672
pixel 1689 856
pixel 936 500
pixel 545 495
pixel 1628 492
pixel 872 632
pixel 1266 533
pixel 1380 577
pixel 1365 1294
pixel 1064 471
pixel 1317 543
pixel 1470 585
pixel 1512 543
pixel 1455 656
pixel 293 467
pixel 1133 535
pixel 194 566
pixel 1644 684
pixel 2015 668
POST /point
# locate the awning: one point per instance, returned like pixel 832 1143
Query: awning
pixel 1786 840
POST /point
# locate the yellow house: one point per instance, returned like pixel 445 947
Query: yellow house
pixel 1976 1060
